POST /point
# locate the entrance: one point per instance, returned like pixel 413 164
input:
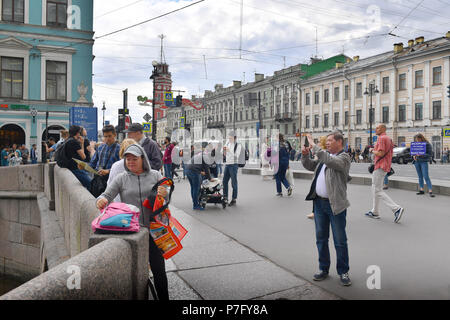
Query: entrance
pixel 11 134
pixel 436 142
pixel 53 132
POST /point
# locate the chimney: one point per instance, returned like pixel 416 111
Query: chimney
pixel 259 77
pixel 410 43
pixel 356 58
pixel 339 65
pixel 448 35
pixel 420 40
pixel 398 47
pixel 236 84
pixel 218 86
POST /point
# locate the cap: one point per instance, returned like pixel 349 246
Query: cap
pixel 134 150
pixel 134 127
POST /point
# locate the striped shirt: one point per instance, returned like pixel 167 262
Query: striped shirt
pixel 384 143
pixel 98 162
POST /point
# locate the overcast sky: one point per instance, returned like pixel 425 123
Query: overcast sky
pixel 202 42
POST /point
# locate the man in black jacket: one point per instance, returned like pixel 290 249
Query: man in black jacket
pixel 136 132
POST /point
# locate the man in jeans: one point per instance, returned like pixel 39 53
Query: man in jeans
pixel 329 193
pixel 383 159
pixel 234 154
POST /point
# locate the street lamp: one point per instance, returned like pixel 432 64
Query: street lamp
pixel 371 91
pixel 104 109
pixel 153 77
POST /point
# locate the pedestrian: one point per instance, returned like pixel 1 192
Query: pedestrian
pixel 119 166
pixel 49 148
pixel 195 169
pixel 283 165
pixel 153 151
pixel 25 154
pixel 234 154
pixel 329 195
pixel 105 156
pixel 421 165
pixel 175 166
pixel 133 186
pixel 266 170
pixel 73 148
pixel 64 136
pixel 4 155
pixel 87 146
pixel 14 158
pixel 33 154
pixel 383 160
pixel 167 158
pixel 323 146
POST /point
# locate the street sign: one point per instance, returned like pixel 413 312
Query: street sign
pixel 87 118
pixel 418 148
pixel 182 122
pixel 446 132
pixel 147 127
pixel 168 96
pixel 147 117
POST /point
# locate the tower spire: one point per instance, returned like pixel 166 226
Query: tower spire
pixel 162 60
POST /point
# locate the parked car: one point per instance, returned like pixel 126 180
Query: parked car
pixel 402 155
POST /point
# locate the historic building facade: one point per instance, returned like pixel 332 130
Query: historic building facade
pixel 46 61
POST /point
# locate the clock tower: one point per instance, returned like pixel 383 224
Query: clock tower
pixel 163 83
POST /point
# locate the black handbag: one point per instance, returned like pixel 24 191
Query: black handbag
pixel 372 167
pixel 99 183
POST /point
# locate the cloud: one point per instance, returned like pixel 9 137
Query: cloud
pixel 209 33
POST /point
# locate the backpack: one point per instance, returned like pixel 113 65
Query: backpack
pixel 61 157
pixel 247 156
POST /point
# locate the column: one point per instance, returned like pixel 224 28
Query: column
pixel 411 106
pixel 321 117
pixel 445 83
pixel 427 114
pixel 341 105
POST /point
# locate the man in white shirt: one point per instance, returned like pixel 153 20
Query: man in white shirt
pixel 329 193
pixel 233 154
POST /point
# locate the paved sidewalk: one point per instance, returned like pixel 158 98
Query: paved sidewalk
pixel 213 266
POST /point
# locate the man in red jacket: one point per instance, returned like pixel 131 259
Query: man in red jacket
pixel 167 158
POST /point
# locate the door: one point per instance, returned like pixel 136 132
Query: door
pixel 437 146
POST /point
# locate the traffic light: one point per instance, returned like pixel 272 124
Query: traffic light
pixel 448 91
pixel 179 101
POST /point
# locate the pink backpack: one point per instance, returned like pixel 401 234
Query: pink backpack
pixel 117 218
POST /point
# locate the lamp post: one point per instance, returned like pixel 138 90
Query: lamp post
pixel 371 91
pixel 153 77
pixel 104 109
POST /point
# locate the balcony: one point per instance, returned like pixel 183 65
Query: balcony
pixel 215 125
pixel 283 117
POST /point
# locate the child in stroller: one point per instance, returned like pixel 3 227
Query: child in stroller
pixel 210 191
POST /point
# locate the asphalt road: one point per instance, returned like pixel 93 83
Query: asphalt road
pixel 436 171
pixel 413 256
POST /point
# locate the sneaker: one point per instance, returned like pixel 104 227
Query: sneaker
pixel 279 194
pixel 385 187
pixel 290 191
pixel 398 214
pixel 371 215
pixel 432 195
pixel 232 203
pixel 345 280
pixel 321 275
pixel 199 208
pixel 310 216
pixel 420 192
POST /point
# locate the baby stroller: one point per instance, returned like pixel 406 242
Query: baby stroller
pixel 210 192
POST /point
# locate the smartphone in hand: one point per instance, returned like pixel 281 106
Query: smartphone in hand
pixel 306 142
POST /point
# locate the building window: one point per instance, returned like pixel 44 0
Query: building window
pixel 385 84
pixel 385 114
pixel 359 90
pixel 358 116
pixel 326 95
pixel 316 121
pixel 56 80
pixel 419 111
pixel 57 13
pixel 336 119
pixel 346 92
pixel 325 120
pixel 402 81
pixel 437 71
pixel 307 122
pixel 316 97
pixel 402 113
pixel 246 114
pixel 346 118
pixel 436 110
pixel 336 94
pixel 240 116
pixel 358 142
pixel 419 78
pixel 308 99
pixel 294 107
pixel 13 10
pixel 286 129
pixel 11 78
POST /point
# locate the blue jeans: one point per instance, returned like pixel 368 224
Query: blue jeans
pixel 83 177
pixel 168 170
pixel 231 171
pixel 386 180
pixel 195 180
pixel 323 217
pixel 219 168
pixel 422 172
pixel 280 177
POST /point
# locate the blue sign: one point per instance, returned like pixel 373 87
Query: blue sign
pixel 87 118
pixel 375 138
pixel 418 148
pixel 107 122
